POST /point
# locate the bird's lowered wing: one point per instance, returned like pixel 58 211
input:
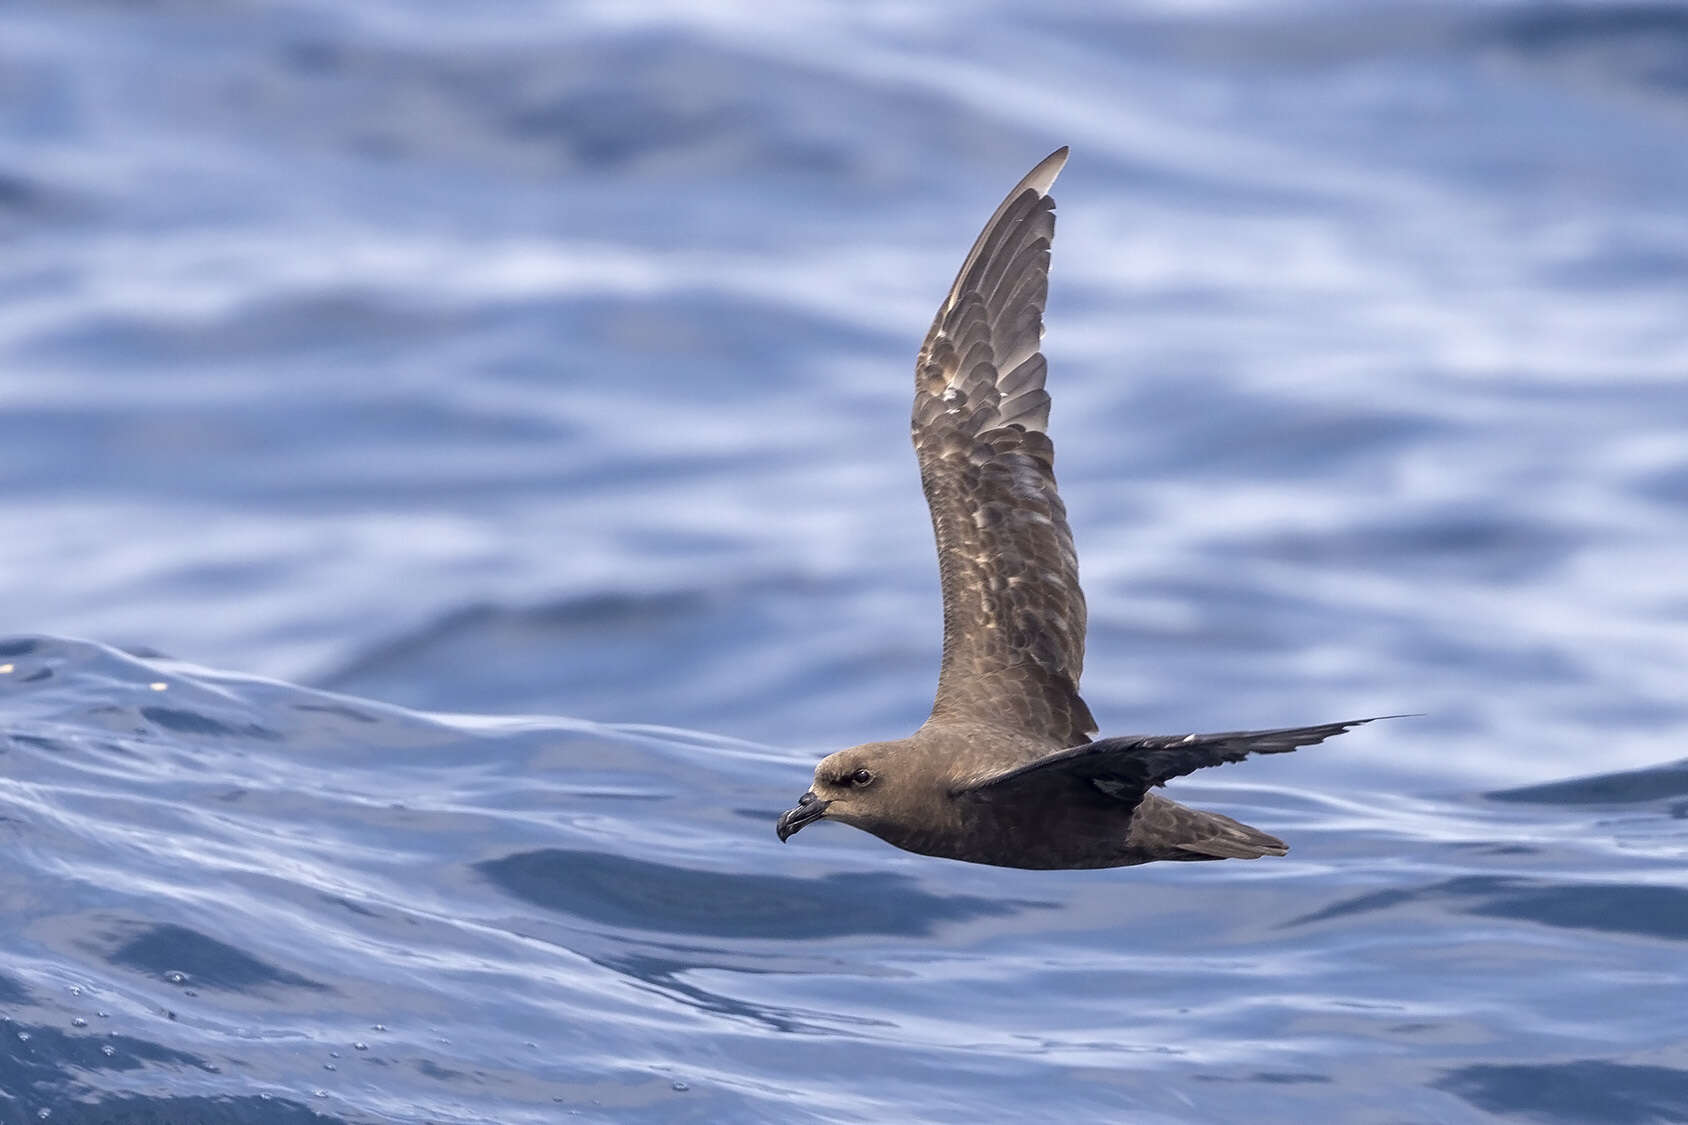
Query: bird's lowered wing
pixel 1014 615
pixel 1129 766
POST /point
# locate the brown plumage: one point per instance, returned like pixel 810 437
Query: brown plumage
pixel 1004 770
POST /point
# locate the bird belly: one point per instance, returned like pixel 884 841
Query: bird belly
pixel 1050 837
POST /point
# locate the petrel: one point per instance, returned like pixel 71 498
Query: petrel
pixel 1007 770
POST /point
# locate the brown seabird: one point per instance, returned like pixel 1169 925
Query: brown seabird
pixel 1007 770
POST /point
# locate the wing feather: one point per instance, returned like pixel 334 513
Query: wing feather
pixel 1014 615
pixel 1129 766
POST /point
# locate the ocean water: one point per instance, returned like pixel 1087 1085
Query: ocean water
pixel 456 482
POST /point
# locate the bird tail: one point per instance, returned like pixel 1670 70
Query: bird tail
pixel 1216 836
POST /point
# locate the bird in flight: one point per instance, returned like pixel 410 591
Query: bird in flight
pixel 1007 770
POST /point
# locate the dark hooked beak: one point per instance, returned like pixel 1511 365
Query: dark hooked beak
pixel 810 808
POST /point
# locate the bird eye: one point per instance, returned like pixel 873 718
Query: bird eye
pixel 861 777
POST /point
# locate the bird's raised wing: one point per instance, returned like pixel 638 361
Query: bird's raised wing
pixel 1013 612
pixel 1127 767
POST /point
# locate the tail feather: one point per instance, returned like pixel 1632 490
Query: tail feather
pixel 1231 839
pixel 1170 830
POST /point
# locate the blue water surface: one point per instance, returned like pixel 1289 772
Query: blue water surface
pixel 420 423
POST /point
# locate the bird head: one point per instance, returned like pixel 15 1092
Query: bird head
pixel 852 786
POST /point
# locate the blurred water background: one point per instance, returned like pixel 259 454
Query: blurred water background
pixel 497 414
